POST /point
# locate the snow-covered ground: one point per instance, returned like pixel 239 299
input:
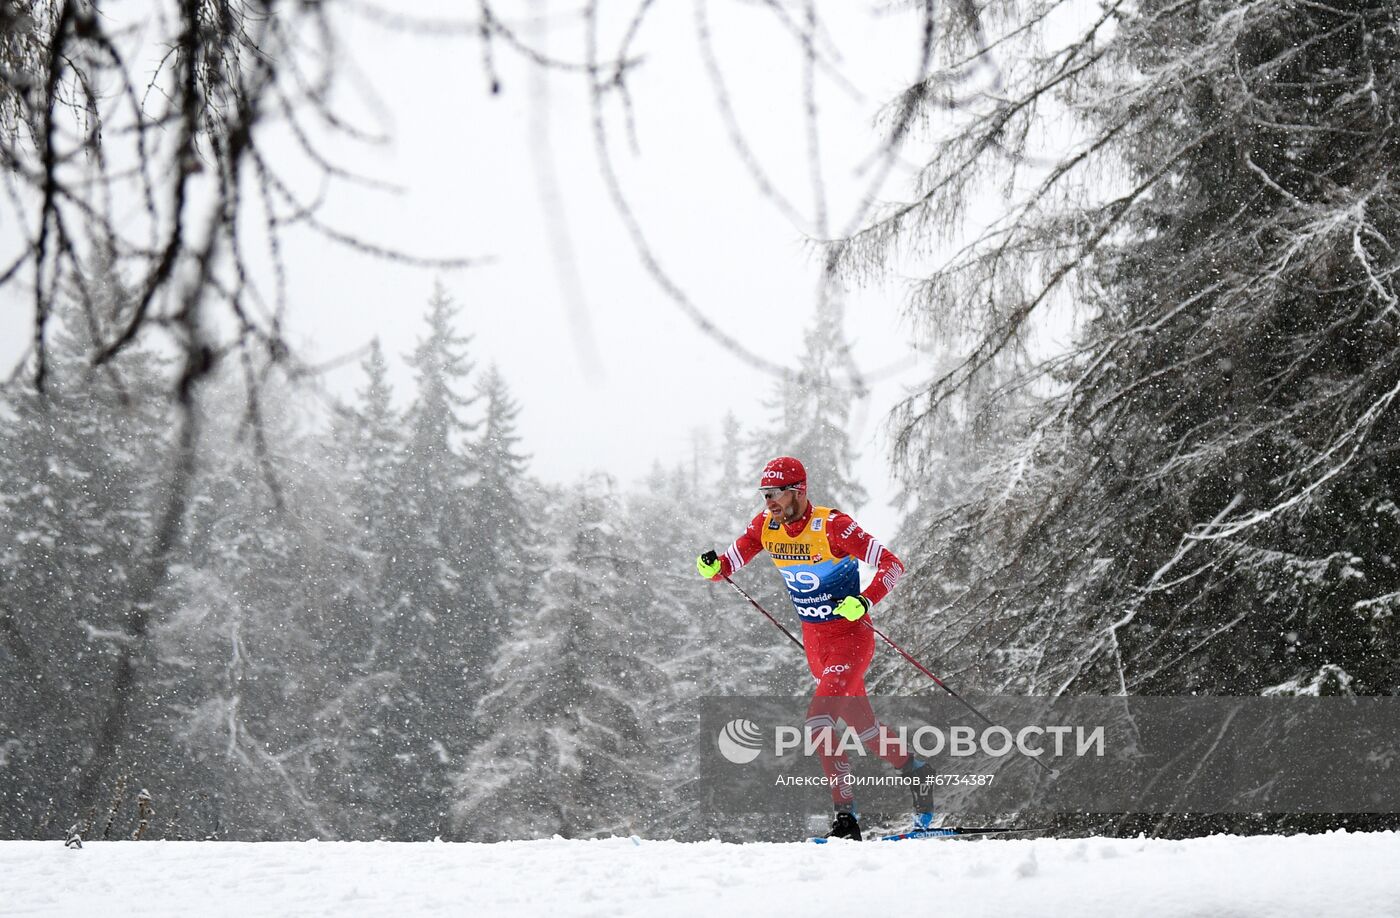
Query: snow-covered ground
pixel 1336 874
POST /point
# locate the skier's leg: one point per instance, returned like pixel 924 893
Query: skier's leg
pixel 822 714
pixel 857 649
pixel 879 738
pixel 840 666
pixel 839 656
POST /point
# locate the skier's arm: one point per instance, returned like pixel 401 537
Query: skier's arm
pixel 846 536
pixel 743 549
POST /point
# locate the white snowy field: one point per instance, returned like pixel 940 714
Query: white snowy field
pixel 1334 875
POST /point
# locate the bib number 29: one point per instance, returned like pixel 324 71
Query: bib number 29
pixel 801 581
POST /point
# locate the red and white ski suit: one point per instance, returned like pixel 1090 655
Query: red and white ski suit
pixel 817 556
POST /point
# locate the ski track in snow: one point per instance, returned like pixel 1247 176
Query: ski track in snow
pixel 1337 874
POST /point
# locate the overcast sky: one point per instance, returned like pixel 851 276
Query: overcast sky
pixel 477 181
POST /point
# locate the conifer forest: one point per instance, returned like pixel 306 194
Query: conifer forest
pixel 285 610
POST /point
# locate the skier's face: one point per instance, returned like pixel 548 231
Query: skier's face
pixel 785 505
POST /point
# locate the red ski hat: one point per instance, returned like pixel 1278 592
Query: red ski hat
pixel 782 472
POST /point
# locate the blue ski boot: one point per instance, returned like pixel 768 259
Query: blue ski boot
pixel 921 787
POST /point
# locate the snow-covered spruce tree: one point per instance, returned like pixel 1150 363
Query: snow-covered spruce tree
pixel 504 535
pixel 811 417
pixel 736 480
pixel 432 640
pixel 81 472
pixel 1199 494
pixel 356 740
pixel 568 717
pixel 931 605
pixel 368 450
pixel 244 655
pixel 372 438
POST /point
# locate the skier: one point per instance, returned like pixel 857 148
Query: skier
pixel 816 549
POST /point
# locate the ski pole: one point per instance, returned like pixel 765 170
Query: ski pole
pixel 753 602
pixel 902 652
pixel 943 685
pixel 710 558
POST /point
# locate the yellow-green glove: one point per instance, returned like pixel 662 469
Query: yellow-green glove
pixel 852 607
pixel 708 565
